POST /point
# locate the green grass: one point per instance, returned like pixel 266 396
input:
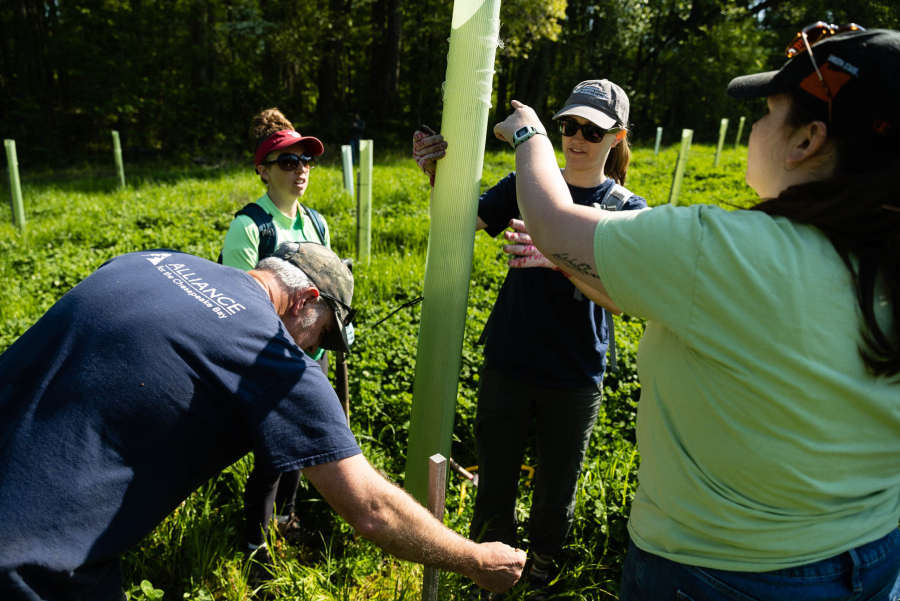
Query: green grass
pixel 77 220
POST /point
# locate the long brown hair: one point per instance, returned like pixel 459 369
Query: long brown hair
pixel 618 160
pixel 858 209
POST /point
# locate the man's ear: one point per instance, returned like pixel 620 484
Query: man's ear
pixel 300 298
pixel 261 171
pixel 807 142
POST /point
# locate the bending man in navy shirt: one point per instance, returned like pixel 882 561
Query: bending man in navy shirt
pixel 156 372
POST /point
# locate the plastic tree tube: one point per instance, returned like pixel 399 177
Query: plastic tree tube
pixel 740 131
pixel 723 127
pixel 347 156
pixel 15 185
pixel 658 140
pixel 467 98
pixel 117 153
pixel 686 136
pixel 364 204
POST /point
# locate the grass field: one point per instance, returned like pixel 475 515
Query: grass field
pixel 77 220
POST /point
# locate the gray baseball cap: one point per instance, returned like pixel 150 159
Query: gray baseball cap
pixel 335 284
pixel 600 101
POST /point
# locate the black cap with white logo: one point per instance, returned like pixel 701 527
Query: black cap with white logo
pixel 862 72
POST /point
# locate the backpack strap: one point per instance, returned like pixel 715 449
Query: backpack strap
pixel 614 199
pixel 266 226
pixel 318 222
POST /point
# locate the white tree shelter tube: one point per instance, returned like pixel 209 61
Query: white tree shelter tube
pixel 467 99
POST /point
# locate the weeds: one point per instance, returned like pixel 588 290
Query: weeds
pixel 76 221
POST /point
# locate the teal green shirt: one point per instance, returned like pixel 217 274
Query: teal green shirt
pixel 764 441
pixel 241 246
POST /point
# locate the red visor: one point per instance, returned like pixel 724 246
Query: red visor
pixel 283 139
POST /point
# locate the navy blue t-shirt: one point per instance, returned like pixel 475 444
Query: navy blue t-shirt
pixel 542 329
pixel 152 375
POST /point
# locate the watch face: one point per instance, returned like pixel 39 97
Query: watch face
pixel 521 132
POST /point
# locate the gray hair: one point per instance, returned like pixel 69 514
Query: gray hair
pixel 291 277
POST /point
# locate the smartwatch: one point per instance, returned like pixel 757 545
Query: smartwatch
pixel 525 133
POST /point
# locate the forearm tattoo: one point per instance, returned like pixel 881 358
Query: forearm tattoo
pixel 576 264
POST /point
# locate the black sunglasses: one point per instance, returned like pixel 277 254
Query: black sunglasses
pixel 349 312
pixel 290 162
pixel 592 133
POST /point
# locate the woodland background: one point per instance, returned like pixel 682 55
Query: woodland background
pixel 186 76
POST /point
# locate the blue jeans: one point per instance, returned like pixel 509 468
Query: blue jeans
pixel 866 573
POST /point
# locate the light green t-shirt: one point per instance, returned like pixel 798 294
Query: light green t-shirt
pixel 764 442
pixel 241 246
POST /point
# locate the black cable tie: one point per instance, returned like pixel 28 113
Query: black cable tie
pixel 409 304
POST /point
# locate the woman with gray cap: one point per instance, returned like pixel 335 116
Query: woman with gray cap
pixel 546 338
pixel 769 420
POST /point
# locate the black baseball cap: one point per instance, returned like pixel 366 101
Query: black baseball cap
pixel 334 281
pixel 862 72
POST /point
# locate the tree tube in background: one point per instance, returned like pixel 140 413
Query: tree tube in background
pixel 467 99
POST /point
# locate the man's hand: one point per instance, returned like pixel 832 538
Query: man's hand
pixel 386 515
pixel 528 254
pixel 428 148
pixel 522 116
pixel 501 567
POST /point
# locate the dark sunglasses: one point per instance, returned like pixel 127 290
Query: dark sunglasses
pixel 290 162
pixel 349 312
pixel 592 133
pixel 811 35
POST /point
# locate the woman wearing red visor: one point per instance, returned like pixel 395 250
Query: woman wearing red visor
pixel 284 161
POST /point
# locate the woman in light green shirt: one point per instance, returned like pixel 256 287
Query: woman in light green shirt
pixel 769 419
pixel 284 161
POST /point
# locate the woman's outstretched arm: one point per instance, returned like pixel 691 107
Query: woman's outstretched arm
pixel 562 230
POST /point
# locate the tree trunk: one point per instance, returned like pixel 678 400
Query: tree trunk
pixel 391 66
pixel 376 60
pixel 502 109
pixel 24 54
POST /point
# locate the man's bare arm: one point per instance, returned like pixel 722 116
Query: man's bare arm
pixel 393 520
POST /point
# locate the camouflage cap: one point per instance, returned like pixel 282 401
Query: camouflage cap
pixel 334 281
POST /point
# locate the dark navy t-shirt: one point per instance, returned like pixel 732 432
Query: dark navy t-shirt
pixel 150 376
pixel 542 329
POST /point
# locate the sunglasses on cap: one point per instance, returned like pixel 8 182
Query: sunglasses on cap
pixel 592 133
pixel 811 35
pixel 290 161
pixel 349 312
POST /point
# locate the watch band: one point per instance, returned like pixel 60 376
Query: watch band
pixel 525 133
